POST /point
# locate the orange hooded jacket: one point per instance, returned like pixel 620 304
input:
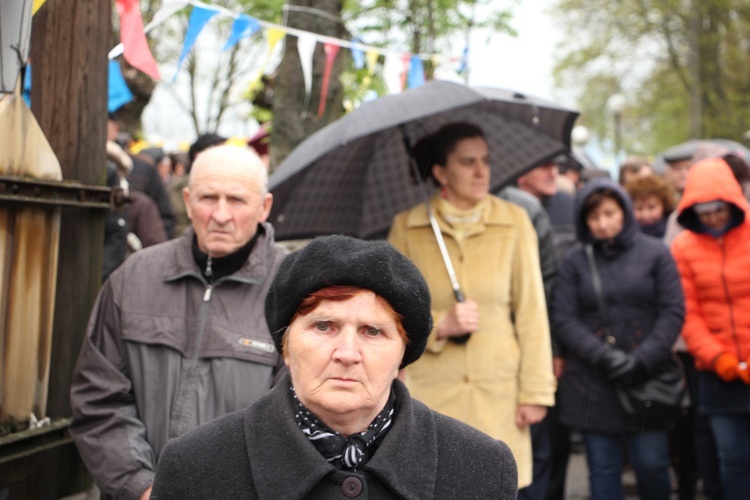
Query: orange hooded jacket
pixel 715 271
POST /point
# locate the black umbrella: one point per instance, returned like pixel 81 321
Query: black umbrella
pixel 353 176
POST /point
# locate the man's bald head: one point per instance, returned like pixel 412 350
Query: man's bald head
pixel 230 160
pixel 226 198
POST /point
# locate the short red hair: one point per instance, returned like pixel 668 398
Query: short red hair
pixel 340 293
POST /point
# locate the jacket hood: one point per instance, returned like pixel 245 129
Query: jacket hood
pixel 629 225
pixel 710 180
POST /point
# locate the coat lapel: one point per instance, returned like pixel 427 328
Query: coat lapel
pixel 407 459
pixel 283 463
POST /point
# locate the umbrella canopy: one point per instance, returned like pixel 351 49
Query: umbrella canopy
pixel 687 150
pixel 353 176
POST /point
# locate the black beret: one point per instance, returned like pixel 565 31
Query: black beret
pixel 341 260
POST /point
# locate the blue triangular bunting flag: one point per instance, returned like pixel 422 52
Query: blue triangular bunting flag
pixel 119 94
pixel 199 17
pixel 244 26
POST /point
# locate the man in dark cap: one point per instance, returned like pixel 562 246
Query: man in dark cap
pixel 532 191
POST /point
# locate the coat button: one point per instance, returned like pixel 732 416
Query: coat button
pixel 351 487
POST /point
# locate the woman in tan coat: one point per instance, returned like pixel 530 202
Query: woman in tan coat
pixel 500 380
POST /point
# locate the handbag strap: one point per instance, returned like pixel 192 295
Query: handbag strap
pixel 596 278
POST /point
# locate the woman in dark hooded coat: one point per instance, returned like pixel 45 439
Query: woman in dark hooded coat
pixel 645 311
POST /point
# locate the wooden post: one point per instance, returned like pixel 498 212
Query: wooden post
pixel 69 44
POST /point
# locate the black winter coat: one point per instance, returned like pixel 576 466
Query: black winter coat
pixel 260 452
pixel 645 306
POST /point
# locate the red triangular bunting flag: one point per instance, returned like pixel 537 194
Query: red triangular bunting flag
pixel 135 47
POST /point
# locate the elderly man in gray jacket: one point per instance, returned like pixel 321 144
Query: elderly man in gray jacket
pixel 177 336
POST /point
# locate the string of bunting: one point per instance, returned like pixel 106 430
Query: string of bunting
pixel 400 69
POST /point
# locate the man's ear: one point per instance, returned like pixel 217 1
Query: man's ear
pixel 186 200
pixel 266 207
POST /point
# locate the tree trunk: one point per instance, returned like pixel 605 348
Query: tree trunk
pixel 142 86
pixel 694 62
pixel 292 122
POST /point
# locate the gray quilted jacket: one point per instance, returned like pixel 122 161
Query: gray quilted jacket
pixel 166 352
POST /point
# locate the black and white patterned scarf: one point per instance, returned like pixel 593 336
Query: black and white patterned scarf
pixel 351 452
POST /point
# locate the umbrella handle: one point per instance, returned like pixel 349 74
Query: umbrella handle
pixel 465 337
pixel 435 229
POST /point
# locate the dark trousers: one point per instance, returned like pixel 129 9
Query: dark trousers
pixel 560 452
pixel 541 451
pixel 648 453
pixel 732 433
pixel 684 460
pixel 707 457
pixel 693 445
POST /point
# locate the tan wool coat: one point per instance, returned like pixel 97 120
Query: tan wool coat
pixel 508 360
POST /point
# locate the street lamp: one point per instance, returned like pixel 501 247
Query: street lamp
pixel 580 136
pixel 616 105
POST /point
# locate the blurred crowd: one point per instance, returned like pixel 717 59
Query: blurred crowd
pixel 686 296
pixel 575 289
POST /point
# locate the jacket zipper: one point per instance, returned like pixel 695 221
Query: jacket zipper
pixel 202 321
pixel 179 419
pixel 729 297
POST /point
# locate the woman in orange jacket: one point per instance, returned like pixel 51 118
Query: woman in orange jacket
pixel 713 257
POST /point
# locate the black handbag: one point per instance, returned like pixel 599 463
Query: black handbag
pixel 660 400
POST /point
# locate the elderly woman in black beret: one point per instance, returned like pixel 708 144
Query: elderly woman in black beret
pixel 346 315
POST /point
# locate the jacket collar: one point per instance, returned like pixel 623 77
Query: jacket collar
pixel 253 271
pixel 297 467
pixel 497 215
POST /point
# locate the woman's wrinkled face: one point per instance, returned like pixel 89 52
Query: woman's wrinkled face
pixel 343 357
pixel 716 219
pixel 466 173
pixel 605 220
pixel 648 210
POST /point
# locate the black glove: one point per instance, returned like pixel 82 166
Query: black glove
pixel 621 368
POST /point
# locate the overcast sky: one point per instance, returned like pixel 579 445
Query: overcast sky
pixel 521 63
